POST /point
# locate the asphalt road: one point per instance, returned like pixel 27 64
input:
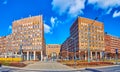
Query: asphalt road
pixel 48 65
pixel 39 67
pixel 23 70
pixel 57 67
pixel 107 69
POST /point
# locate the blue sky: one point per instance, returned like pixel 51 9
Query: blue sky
pixel 58 15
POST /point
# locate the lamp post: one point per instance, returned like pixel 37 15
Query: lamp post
pixel 88 43
pixel 88 49
pixel 74 51
pixel 67 50
pixel 103 55
pixel 116 57
pixel 20 51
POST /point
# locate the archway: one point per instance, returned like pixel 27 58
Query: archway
pixel 53 56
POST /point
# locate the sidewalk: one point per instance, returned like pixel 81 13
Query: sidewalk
pixel 52 66
pixel 48 66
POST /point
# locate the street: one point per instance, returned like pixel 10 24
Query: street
pixel 57 67
pixel 109 69
pixel 47 65
pixel 104 69
pixel 39 67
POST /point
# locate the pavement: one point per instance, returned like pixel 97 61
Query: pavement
pixel 47 65
pixel 104 69
pixel 40 67
pixel 57 67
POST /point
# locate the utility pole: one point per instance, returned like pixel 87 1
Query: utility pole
pixel 74 51
pixel 116 57
pixel 88 49
pixel 103 55
pixel 20 51
pixel 67 50
pixel 88 42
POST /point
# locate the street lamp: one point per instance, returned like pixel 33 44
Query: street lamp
pixel 67 50
pixel 88 43
pixel 116 57
pixel 103 55
pixel 88 49
pixel 20 51
pixel 74 51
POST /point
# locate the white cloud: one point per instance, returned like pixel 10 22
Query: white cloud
pixel 105 4
pixel 60 5
pixel 47 28
pixel 5 2
pixel 54 21
pixel 116 14
pixel 76 7
pixel 10 27
pixel 108 12
pixel 71 7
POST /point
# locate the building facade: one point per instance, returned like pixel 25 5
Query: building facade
pixel 52 51
pixel 28 36
pixel 27 39
pixel 111 44
pixel 84 34
pixel 9 48
pixel 3 43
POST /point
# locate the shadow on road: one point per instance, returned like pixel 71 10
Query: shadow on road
pixel 93 70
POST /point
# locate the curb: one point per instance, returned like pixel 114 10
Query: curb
pixel 103 66
pixel 72 69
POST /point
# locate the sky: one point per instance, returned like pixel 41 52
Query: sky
pixel 59 15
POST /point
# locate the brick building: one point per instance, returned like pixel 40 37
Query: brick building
pixel 79 40
pixel 29 34
pixel 27 39
pixel 52 50
pixel 111 43
pixel 3 45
